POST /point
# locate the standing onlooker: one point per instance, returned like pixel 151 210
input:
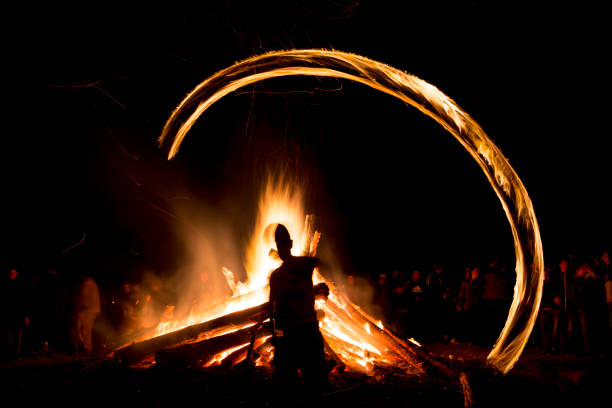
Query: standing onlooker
pixel 469 304
pixel 494 300
pixel 382 300
pixel 595 308
pixel 604 265
pixel 16 297
pixel 399 301
pixel 86 308
pixel 578 310
pixel 414 323
pixel 121 310
pixel 550 313
pixel 608 286
pixel 51 304
pixel 439 304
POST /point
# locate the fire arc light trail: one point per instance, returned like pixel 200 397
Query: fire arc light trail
pixel 433 103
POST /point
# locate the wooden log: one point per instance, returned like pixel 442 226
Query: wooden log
pixel 202 351
pixel 140 351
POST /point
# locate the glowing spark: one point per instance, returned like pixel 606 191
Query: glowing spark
pixel 219 357
pixel 71 247
pixel 123 149
pixel 433 103
pixel 413 341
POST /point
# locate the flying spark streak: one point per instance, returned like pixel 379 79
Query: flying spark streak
pixel 71 247
pixel 433 103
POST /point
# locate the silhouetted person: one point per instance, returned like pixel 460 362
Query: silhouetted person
pixel 579 310
pixel 494 304
pixel 86 309
pixel 126 300
pixel 358 289
pixel 606 274
pixel 298 343
pixel 400 302
pixel 595 309
pixel 440 308
pixel 549 314
pixel 414 323
pixel 382 299
pixel 51 305
pixel 469 304
pixel 16 309
pixel 604 265
pixel 608 288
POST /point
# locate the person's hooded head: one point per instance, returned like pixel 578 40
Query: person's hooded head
pixel 283 241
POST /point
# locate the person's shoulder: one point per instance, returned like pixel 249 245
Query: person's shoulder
pixel 277 271
pixel 308 261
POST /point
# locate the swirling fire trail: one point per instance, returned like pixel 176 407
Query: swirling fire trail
pixel 433 103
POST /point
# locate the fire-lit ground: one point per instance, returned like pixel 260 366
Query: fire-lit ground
pixel 538 379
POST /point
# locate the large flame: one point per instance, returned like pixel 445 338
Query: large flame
pixel 353 336
pixel 432 102
pixel 281 201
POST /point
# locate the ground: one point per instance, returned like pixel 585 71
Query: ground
pixel 537 379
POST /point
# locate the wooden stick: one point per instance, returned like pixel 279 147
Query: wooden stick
pixel 140 351
pixel 204 350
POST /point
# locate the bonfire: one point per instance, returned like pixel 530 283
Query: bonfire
pixel 237 330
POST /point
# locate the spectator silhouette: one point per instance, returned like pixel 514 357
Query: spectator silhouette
pixel 469 305
pixel 85 310
pixel 16 298
pixel 127 306
pixel 439 306
pixel 382 299
pixel 400 301
pixel 604 265
pixel 608 288
pixel 414 323
pixel 549 316
pixel 494 303
pixel 51 310
pixel 577 318
pixel 606 273
pixel 595 308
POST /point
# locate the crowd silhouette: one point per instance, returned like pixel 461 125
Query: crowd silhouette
pixel 66 310
pixel 575 314
pixel 63 310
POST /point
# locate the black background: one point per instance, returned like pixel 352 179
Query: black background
pixel 90 90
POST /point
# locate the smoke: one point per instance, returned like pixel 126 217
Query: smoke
pixel 357 288
pixel 210 244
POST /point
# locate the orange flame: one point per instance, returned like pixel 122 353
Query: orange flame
pixel 352 335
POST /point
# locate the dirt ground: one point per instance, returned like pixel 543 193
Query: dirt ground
pixel 538 379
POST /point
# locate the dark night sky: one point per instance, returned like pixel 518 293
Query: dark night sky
pixel 94 88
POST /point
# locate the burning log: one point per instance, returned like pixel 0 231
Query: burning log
pixel 204 351
pixel 419 356
pixel 264 352
pixel 146 349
